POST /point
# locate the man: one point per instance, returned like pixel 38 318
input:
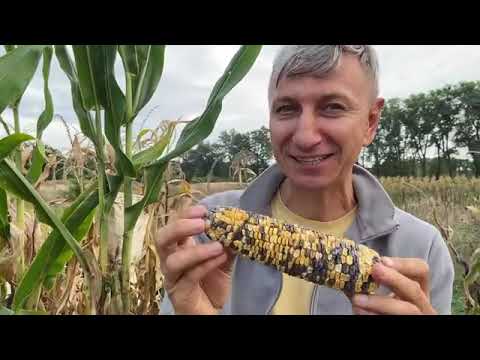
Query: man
pixel 324 108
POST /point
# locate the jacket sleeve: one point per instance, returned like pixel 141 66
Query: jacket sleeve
pixel 442 275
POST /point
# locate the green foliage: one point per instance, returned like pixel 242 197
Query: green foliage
pixel 198 162
pixel 94 87
pixel 17 68
pixel 441 122
pixel 197 130
pixel 4 218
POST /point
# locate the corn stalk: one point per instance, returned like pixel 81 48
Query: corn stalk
pixel 95 89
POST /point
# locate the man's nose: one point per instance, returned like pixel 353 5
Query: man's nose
pixel 307 134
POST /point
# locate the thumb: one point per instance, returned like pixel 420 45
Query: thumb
pixel 227 266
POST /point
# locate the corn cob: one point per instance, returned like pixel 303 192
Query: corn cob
pixel 323 259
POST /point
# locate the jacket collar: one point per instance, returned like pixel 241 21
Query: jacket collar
pixel 376 211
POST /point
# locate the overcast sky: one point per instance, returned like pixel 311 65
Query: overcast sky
pixel 190 73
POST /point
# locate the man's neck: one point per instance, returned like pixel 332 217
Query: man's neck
pixel 323 205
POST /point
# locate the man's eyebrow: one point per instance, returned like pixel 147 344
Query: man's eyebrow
pixel 323 97
pixel 283 99
pixel 334 96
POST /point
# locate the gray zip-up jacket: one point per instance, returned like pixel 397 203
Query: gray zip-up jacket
pixel 379 225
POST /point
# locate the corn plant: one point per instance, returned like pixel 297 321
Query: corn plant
pixel 17 68
pixel 104 111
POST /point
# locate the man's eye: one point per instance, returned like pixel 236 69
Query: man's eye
pixel 335 107
pixel 285 109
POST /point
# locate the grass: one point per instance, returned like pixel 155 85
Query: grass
pixel 451 213
pixel 458 300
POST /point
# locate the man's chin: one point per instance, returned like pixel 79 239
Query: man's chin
pixel 310 183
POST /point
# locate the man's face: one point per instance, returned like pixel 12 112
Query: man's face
pixel 319 125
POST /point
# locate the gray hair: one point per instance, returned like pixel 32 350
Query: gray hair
pixel 319 60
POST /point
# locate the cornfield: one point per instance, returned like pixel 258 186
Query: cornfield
pixel 77 229
pixel 90 250
pixel 452 205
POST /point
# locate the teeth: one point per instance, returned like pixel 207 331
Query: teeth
pixel 312 160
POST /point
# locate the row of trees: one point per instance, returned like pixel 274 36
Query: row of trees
pixel 423 134
pixel 225 158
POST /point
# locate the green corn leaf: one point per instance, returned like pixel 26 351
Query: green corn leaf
pixel 89 61
pixel 201 127
pixel 153 185
pixel 149 77
pixel 15 183
pixel 4 218
pixel 132 58
pixel 115 111
pixel 47 114
pixel 5 126
pixel 145 63
pixel 115 183
pixel 197 130
pixel 9 171
pixel 17 68
pixel 38 160
pixel 10 143
pixel 55 252
pixel 47 263
pixel 84 117
pixel 79 232
pixel 7 145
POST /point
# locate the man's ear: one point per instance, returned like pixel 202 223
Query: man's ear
pixel 373 120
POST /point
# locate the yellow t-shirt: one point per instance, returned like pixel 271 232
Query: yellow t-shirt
pixel 296 294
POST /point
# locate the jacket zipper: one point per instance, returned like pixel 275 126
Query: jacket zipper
pixel 312 302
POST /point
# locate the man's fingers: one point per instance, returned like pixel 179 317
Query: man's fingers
pixel 196 274
pixel 384 305
pixel 405 288
pixel 415 269
pixel 360 311
pixel 183 260
pixel 227 266
pixel 189 212
pixel 177 232
pixel 193 212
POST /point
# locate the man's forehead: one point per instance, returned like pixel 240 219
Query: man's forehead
pixel 347 79
pixel 304 86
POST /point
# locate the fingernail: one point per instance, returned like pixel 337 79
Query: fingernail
pixel 200 225
pixel 387 261
pixel 215 248
pixel 360 300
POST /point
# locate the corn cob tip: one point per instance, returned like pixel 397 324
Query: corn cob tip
pixel 323 259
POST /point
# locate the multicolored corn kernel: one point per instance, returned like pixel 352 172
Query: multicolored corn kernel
pixel 316 257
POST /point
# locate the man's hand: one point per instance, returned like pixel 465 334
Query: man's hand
pixel 197 276
pixel 408 279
